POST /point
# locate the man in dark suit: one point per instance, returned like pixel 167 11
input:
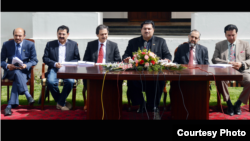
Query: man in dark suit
pixel 159 47
pixel 19 74
pixel 56 52
pixel 101 50
pixel 190 53
pixel 199 52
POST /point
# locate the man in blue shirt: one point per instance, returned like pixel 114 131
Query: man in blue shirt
pixel 19 74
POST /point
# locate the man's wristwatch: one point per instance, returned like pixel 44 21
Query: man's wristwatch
pixel 242 68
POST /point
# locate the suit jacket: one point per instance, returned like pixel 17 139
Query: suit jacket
pixel 182 54
pixel 242 53
pixel 51 53
pixel 112 52
pixel 158 46
pixel 28 53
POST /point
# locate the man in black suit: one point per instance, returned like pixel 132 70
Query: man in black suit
pixel 159 47
pixel 56 52
pixel 101 50
pixel 200 53
pixel 190 53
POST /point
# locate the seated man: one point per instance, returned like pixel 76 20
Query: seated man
pixel 101 50
pixel 56 52
pixel 235 52
pixel 190 53
pixel 25 51
pixel 159 47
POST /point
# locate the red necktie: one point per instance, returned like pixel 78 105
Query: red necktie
pixel 100 56
pixel 191 56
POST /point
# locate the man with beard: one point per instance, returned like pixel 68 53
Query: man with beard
pixel 159 47
pixel 26 52
pixel 236 52
pixel 191 52
pixel 56 52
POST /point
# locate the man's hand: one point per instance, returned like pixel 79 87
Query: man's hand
pixel 58 65
pixel 11 67
pixel 167 60
pixel 236 65
pixel 126 60
pixel 22 66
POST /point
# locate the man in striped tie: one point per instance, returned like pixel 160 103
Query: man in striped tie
pixel 236 52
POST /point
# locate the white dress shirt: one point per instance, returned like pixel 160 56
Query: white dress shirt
pixel 104 50
pixel 61 53
pixel 194 59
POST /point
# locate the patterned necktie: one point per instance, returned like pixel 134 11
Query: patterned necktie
pixel 232 55
pixel 17 51
pixel 100 56
pixel 191 56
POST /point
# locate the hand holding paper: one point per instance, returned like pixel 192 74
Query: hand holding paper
pixel 16 60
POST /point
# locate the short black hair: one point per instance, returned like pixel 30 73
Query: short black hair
pixel 62 27
pixel 230 27
pixel 148 22
pixel 23 31
pixel 101 27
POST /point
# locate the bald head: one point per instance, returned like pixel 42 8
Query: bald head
pixel 19 29
pixel 19 35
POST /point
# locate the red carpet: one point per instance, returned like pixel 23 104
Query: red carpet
pixel 23 112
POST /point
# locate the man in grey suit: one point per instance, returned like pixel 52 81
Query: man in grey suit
pixel 25 51
pixel 101 50
pixel 236 52
pixel 56 52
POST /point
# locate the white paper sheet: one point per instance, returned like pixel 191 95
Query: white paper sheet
pixel 17 60
pixel 85 63
pixel 220 65
pixel 69 63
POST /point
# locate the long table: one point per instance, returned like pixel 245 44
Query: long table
pixel 190 98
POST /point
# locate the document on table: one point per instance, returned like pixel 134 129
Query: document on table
pixel 69 63
pixel 85 64
pixel 17 60
pixel 220 65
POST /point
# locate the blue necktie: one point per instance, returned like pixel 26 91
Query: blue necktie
pixel 17 52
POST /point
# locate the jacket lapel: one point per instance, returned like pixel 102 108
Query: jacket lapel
pixel 237 51
pixel 23 49
pixel 68 47
pixel 57 50
pixel 95 48
pixel 187 51
pixel 197 53
pixel 225 47
pixel 153 46
pixel 108 49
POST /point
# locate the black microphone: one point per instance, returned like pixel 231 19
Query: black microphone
pixel 145 44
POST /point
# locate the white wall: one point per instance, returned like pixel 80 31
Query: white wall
pixel 212 24
pixel 12 20
pixel 81 24
pixel 124 15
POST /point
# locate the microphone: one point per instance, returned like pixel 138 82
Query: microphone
pixel 145 44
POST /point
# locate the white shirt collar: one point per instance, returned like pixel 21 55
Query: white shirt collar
pixel 62 44
pixel 228 43
pixel 99 43
pixel 20 43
